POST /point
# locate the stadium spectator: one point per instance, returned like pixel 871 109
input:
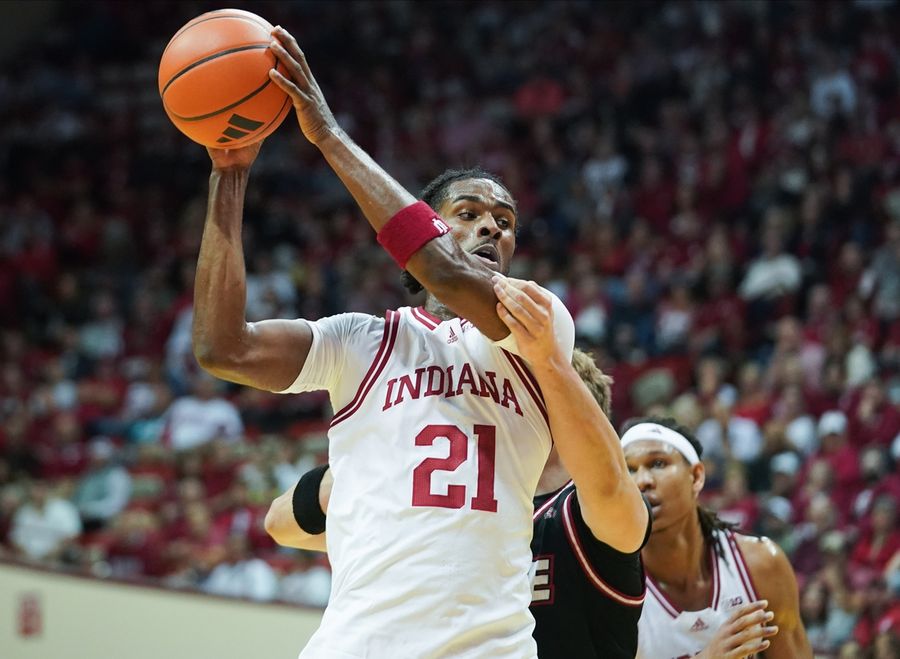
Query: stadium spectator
pixel 201 417
pixel 239 574
pixel 45 525
pixel 104 490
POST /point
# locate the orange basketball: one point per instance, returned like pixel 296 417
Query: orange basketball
pixel 214 80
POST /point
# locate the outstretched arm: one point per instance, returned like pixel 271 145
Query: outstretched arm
pixel 282 526
pixel 269 354
pixel 588 445
pixel 774 578
pixel 458 280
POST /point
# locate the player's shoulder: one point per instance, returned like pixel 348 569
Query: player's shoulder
pixel 765 559
pixel 352 322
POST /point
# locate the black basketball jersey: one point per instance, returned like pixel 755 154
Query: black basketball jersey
pixel 586 597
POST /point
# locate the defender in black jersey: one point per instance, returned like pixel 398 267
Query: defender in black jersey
pixel 586 597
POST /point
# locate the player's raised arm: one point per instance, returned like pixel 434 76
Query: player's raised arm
pixel 588 445
pixel 297 517
pixel 224 343
pixel 414 234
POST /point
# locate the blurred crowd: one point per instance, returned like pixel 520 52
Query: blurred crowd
pixel 712 188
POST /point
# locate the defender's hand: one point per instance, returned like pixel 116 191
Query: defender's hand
pixel 239 158
pixel 528 313
pixel 315 117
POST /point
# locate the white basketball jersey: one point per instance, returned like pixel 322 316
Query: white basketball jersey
pixel 436 446
pixel 667 632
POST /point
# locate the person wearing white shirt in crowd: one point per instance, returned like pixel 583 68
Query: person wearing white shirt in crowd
pixel 774 272
pixel 192 421
pixel 307 583
pixel 241 575
pixel 42 526
pixel 724 435
pixel 106 489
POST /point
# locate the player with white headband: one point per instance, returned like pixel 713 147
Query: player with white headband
pixel 711 592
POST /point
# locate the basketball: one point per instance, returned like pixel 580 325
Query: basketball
pixel 214 80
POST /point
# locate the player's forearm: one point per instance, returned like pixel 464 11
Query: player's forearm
pixel 590 450
pixel 587 443
pixel 458 280
pixel 376 192
pixel 282 526
pixel 220 290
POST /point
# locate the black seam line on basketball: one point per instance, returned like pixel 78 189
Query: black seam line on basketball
pixel 221 53
pixel 185 28
pixel 227 107
pixel 287 100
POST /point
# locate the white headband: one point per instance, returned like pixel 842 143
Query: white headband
pixel 662 434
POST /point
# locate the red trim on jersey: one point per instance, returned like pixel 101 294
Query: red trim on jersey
pixel 549 502
pixel 427 319
pixel 593 577
pixel 525 378
pixel 530 376
pixel 673 609
pixel 743 570
pixel 660 597
pixel 388 338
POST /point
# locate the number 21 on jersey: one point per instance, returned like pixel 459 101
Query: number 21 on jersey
pixel 486 440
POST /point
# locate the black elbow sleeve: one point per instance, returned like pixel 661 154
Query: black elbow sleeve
pixel 307 511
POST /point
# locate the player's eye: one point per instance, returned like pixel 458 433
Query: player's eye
pixel 502 222
pixel 467 215
pixel 659 464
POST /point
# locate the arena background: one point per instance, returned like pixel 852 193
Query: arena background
pixel 712 188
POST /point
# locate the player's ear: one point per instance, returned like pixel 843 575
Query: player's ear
pixel 698 475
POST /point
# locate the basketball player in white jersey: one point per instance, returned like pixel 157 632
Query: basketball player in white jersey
pixel 605 524
pixel 440 431
pixel 702 578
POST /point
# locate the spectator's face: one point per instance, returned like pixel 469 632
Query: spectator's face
pixel 871 464
pixel 670 484
pixel 832 442
pixel 884 514
pixel 820 476
pixel 39 493
pixel 482 218
pixel 851 650
pixel 812 605
pixel 204 387
pixel 887 645
pixel 820 512
pixel 237 548
pixel 782 483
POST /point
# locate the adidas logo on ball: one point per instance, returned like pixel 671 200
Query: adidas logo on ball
pixel 238 127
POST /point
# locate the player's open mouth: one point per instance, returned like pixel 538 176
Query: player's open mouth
pixel 489 255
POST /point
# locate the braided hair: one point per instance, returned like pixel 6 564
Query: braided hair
pixel 709 521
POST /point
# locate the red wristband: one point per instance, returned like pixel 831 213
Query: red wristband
pixel 406 232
